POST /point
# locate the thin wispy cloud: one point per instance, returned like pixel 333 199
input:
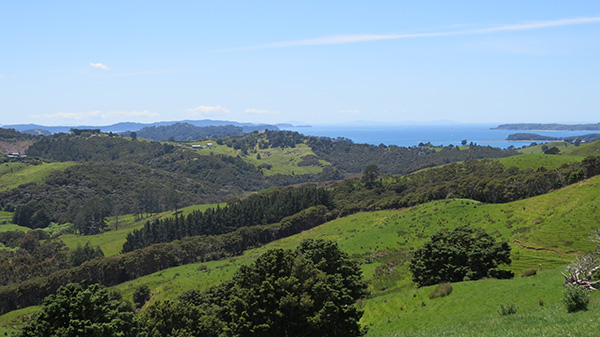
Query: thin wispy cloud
pixel 207 110
pixel 99 66
pixel 96 114
pixel 354 38
pixel 260 111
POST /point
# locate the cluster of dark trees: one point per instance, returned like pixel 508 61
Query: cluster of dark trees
pixel 188 132
pixel 11 135
pixel 309 291
pixel 35 253
pixel 88 193
pixel 120 268
pixel 465 253
pixel 483 180
pixel 258 209
pixel 353 158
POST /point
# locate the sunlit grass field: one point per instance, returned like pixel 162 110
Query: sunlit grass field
pixel 14 174
pixel 283 161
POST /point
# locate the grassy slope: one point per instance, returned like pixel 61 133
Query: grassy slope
pixel 565 219
pixel 535 160
pixel 562 146
pixel 284 161
pixel 14 174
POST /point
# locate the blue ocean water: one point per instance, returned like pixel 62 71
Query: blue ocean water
pixel 412 135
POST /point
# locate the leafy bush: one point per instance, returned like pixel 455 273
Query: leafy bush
pixel 507 309
pixel 466 253
pixel 443 289
pixel 141 295
pixel 575 298
pixel 77 310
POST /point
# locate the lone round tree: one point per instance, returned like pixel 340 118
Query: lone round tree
pixel 466 253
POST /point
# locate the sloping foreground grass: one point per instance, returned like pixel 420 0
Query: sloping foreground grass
pixel 14 174
pixel 472 310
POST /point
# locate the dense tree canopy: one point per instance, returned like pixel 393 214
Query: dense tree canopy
pixel 77 310
pixel 466 253
pixel 307 292
pixel 310 291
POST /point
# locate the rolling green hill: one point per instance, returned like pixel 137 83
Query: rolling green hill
pixel 270 161
pixel 14 174
pixel 544 232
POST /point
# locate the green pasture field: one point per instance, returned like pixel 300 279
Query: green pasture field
pixel 472 310
pixel 14 174
pixel 589 149
pixel 12 321
pixel 284 161
pixel 562 146
pixel 537 160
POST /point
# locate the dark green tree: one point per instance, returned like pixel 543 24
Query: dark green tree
pixel 82 254
pixel 179 318
pixel 466 253
pixel 78 310
pixel 307 292
pixel 370 176
pixel 141 294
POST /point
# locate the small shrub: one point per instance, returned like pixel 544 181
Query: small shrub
pixel 507 309
pixel 443 289
pixel 575 298
pixel 529 272
pixel 141 295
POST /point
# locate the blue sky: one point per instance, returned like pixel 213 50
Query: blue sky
pixel 314 62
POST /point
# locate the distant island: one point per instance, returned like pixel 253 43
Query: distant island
pixel 548 127
pixel 535 137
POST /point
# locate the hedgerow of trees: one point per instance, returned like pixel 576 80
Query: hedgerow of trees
pixel 259 209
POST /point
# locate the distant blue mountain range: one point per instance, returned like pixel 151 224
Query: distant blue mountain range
pixel 129 126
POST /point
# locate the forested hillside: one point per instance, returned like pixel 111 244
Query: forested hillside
pixel 188 132
pixel 90 179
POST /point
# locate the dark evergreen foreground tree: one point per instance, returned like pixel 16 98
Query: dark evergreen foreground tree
pixel 307 292
pixel 77 310
pixel 466 253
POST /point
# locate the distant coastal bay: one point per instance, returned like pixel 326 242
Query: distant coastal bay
pixel 412 135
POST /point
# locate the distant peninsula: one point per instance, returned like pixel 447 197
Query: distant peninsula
pixel 548 127
pixel 535 137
